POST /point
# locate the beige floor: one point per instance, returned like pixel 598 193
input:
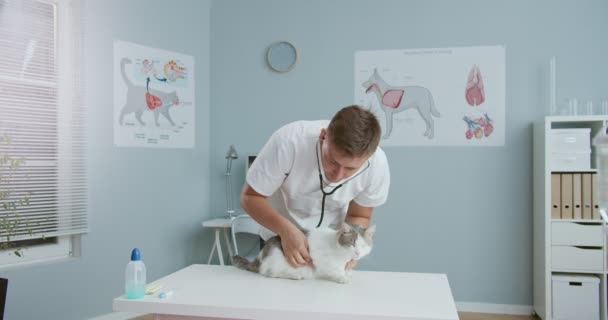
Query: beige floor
pixel 462 315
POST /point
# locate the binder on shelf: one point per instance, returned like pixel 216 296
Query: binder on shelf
pixel 556 204
pixel 576 196
pixel 567 196
pixel 587 195
pixel 594 197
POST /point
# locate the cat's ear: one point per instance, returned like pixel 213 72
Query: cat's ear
pixel 345 227
pixel 369 232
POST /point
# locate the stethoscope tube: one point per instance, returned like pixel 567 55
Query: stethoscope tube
pixel 332 191
pixel 324 195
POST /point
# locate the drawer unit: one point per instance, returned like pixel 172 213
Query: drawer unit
pixel 577 258
pixel 570 140
pixel 576 234
pixel 563 161
pixel 575 297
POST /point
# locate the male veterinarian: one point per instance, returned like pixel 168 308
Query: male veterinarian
pixel 327 171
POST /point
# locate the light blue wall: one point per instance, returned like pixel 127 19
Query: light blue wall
pixel 462 211
pixel 456 210
pixel 150 198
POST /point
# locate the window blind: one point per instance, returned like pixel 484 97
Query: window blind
pixel 43 183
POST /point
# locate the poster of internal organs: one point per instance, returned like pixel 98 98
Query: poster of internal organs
pixel 435 97
pixel 153 97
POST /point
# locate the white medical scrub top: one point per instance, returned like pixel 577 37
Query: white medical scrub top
pixel 288 162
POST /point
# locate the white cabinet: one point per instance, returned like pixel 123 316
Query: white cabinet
pixel 575 245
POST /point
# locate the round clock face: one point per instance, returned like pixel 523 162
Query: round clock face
pixel 282 56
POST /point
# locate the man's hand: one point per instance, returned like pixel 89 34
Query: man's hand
pixel 295 247
pixel 350 265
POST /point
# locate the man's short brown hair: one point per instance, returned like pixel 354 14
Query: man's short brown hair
pixel 354 131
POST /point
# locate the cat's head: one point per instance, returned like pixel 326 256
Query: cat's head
pixel 356 238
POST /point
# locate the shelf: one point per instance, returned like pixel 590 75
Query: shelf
pixel 577 118
pixel 575 171
pixel 578 221
pixel 578 271
pixel 543 222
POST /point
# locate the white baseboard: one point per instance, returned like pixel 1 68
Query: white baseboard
pixel 117 316
pixel 512 309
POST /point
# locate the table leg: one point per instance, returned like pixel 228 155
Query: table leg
pixel 219 246
pixel 228 244
pixel 211 254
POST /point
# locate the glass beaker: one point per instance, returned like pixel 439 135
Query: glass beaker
pixel 588 108
pixel 603 108
pixel 572 106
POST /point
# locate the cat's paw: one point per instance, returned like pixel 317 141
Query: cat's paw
pixel 342 279
pixel 348 278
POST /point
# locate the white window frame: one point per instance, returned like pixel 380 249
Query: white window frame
pixel 67 246
pixel 42 253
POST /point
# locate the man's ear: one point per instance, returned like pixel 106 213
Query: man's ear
pixel 323 134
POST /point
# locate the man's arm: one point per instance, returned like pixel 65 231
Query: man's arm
pixel 293 241
pixel 357 214
pixel 260 209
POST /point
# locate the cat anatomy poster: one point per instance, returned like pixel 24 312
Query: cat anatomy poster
pixel 153 97
pixel 435 97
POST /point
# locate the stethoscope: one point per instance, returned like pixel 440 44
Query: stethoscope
pixel 325 194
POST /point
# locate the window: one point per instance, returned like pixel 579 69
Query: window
pixel 43 188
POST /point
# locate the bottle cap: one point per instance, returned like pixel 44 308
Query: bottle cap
pixel 135 255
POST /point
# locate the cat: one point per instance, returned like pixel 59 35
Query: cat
pixel 329 249
pixel 141 98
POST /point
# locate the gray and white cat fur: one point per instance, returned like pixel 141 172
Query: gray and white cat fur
pixel 136 99
pixel 329 250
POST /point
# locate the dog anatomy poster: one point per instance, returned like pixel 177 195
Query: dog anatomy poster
pixel 153 97
pixel 435 97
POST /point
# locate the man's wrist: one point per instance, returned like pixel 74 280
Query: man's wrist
pixel 361 221
pixel 285 229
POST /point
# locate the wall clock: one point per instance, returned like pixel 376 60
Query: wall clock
pixel 282 56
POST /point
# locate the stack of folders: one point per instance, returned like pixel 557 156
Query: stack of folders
pixel 574 196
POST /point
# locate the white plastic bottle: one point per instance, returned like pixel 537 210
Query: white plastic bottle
pixel 135 277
